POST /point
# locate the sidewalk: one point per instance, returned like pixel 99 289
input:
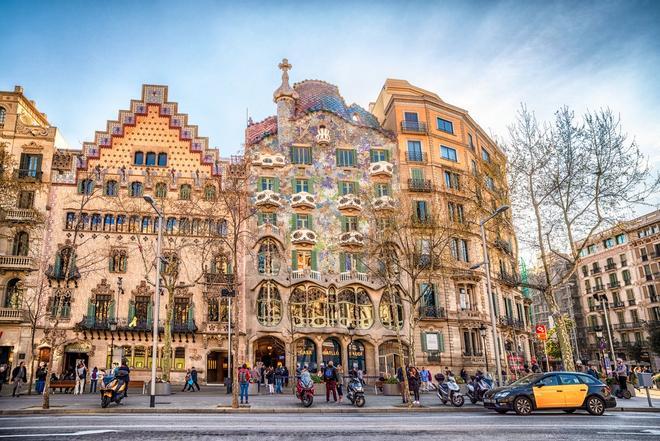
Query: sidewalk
pixel 215 400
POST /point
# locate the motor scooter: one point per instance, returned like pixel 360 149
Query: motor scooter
pixel 114 390
pixel 477 388
pixel 355 392
pixel 305 392
pixel 450 392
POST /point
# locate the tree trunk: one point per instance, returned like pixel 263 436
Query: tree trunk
pixel 46 394
pixel 167 338
pixel 234 357
pixel 32 360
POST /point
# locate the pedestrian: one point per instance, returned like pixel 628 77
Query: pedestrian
pixel 286 376
pixel 81 377
pixel 41 374
pixel 255 375
pixel 339 378
pixel 244 382
pixel 414 382
pixel 193 377
pixel 622 374
pixel 100 378
pixel 330 378
pixel 270 378
pixel 18 377
pixel 464 375
pixel 93 379
pixel 399 377
pixel 593 372
pixel 186 381
pixel 4 368
pixel 279 378
pixel 425 377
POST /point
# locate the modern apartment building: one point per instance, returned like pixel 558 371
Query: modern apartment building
pixel 619 276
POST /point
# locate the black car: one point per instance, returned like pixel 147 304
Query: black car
pixel 567 391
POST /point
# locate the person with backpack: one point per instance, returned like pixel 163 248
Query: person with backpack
pixel 330 378
pixel 244 382
pixel 93 380
pixel 41 374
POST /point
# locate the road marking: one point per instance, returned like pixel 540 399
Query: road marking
pixel 82 432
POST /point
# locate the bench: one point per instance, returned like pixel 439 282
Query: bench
pixel 62 384
pixel 134 384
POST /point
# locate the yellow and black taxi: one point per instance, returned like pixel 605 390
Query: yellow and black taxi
pixel 567 391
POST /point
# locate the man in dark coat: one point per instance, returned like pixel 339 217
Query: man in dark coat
pixel 18 377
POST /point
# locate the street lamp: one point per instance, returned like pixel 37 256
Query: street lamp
pixel 112 324
pixel 601 346
pixel 486 263
pixel 154 335
pixel 482 332
pixel 351 329
pixel 603 302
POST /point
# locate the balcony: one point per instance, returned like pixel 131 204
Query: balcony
pixel 266 160
pixel 413 127
pixel 419 157
pixel 12 315
pixel 218 278
pixel 352 276
pixel 421 222
pixel 303 199
pixel 610 267
pixel 627 282
pixel 17 263
pixel 613 285
pixel 349 202
pixel 181 327
pixel 653 324
pixel 598 288
pixel 304 236
pixel 383 203
pixel 268 198
pixel 60 273
pixel 420 185
pixel 632 302
pixel 28 175
pixel 595 271
pixel 19 215
pixel 306 273
pixel 618 304
pixel 629 325
pixel 94 323
pixel 503 245
pixel 506 320
pixel 431 313
pixel 351 238
pixel 510 279
pixel 381 168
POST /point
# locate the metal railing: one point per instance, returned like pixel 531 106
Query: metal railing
pixel 610 266
pixel 416 157
pixel 432 312
pixel 510 279
pixel 423 185
pixel 595 271
pixel 219 278
pixel 513 322
pixel 28 175
pixel 629 325
pixel 413 127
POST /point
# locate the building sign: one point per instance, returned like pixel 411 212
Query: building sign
pixel 80 347
pixel 432 342
pixel 541 332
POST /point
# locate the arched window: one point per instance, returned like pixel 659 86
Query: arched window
pixel 161 190
pixel 268 259
pixel 108 222
pixel 3 115
pixel 309 307
pixel 70 223
pixel 162 160
pixel 331 351
pixel 218 310
pixel 391 310
pixel 209 193
pixel 13 294
pixel 170 226
pixel 65 259
pixel 111 188
pixel 269 305
pixel 138 158
pixel 184 225
pixel 196 228
pixel 118 261
pixel 84 221
pixel 151 159
pixel 146 221
pixel 133 223
pixel 121 220
pixel 306 353
pixel 355 308
pixel 220 264
pixel 356 355
pixel 96 222
pixel 86 186
pixel 184 192
pixel 136 189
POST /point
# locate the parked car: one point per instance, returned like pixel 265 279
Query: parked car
pixel 568 391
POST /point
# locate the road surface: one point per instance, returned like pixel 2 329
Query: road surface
pixel 381 427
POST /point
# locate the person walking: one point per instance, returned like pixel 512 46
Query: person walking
pixel 414 383
pixel 270 378
pixel 93 380
pixel 41 378
pixel 193 377
pixel 81 377
pixel 244 382
pixel 339 378
pixel 330 378
pixel 18 377
pixel 186 381
pixel 399 377
pixel 622 374
pixel 425 377
pixel 464 375
pixel 279 378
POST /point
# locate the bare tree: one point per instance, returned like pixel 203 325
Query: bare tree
pixel 571 179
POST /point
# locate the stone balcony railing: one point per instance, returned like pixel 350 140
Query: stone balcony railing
pixel 383 203
pixel 305 274
pixel 349 202
pixel 19 215
pixel 303 199
pixel 268 198
pixel 348 276
pixel 19 263
pixel 269 161
pixel 303 236
pixel 381 168
pixel 12 315
pixel 351 238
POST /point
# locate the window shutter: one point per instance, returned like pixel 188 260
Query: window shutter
pixel 353 158
pixel 111 309
pixel 441 341
pixel 91 310
pixel 191 315
pixel 260 184
pixel 260 218
pixel 276 185
pixel 337 158
pixel 372 154
pixel 314 263
pixel 342 262
pixel 39 159
pixel 360 264
pixel 423 336
pixel 293 186
pixel 150 313
pixel 294 260
pixel 294 221
pixel 344 223
pixel 131 311
pixel 310 222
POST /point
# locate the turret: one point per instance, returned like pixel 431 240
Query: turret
pixel 285 97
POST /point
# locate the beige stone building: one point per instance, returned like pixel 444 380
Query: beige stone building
pixel 619 276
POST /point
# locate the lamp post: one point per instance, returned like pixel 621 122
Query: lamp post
pixel 601 347
pixel 154 335
pixel 112 324
pixel 482 332
pixel 351 329
pixel 603 302
pixel 486 263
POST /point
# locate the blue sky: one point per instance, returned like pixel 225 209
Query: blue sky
pixel 83 61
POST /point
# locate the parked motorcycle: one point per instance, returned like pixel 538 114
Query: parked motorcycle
pixel 114 391
pixel 305 392
pixel 355 392
pixel 477 388
pixel 450 392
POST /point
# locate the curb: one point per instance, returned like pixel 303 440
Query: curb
pixel 271 410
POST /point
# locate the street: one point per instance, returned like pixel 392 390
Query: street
pixel 381 426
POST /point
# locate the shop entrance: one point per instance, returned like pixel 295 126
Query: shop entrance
pixel 216 367
pixel 269 351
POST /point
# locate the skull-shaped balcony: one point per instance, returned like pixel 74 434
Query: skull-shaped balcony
pixel 381 168
pixel 350 202
pixel 323 136
pixel 267 160
pixel 268 198
pixel 383 203
pixel 303 236
pixel 303 199
pixel 351 238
